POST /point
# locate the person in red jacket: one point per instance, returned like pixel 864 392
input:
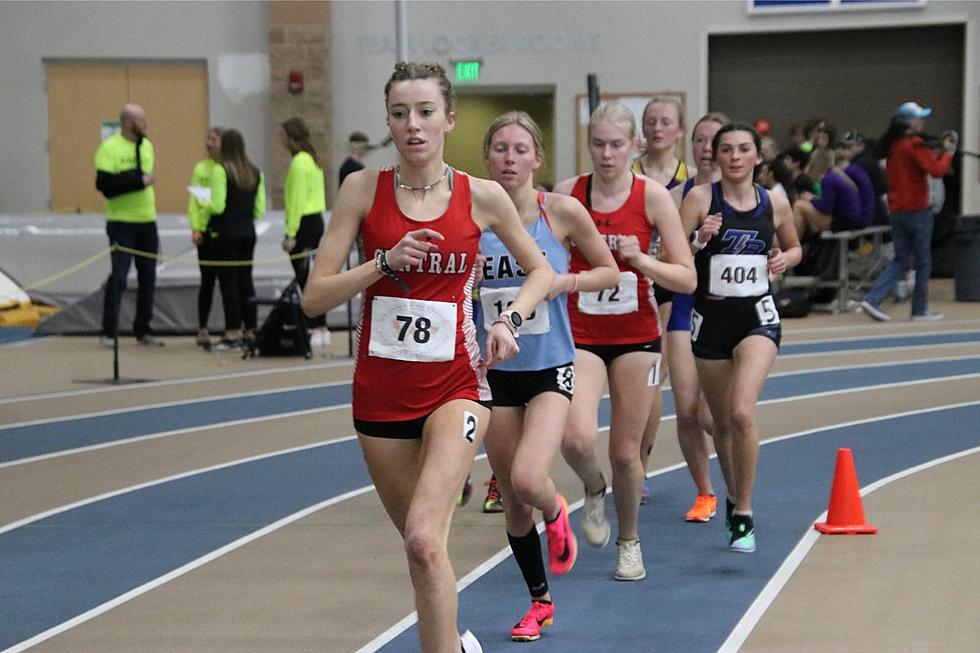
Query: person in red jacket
pixel 908 160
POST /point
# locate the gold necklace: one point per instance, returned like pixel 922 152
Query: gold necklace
pixel 419 189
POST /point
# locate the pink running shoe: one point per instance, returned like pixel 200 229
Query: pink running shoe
pixel 529 628
pixel 562 546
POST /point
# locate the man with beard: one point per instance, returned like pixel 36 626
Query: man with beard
pixel 124 175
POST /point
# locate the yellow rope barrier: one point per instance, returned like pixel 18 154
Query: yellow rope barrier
pixel 64 273
pixel 206 262
pixel 159 257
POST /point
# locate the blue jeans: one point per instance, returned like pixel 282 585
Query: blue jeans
pixel 912 236
pixel 139 236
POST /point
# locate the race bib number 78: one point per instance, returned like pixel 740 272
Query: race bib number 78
pixel 412 329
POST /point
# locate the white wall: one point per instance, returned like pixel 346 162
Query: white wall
pixel 32 32
pixel 632 46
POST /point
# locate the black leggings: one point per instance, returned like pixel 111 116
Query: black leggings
pixel 209 274
pixel 307 240
pixel 237 289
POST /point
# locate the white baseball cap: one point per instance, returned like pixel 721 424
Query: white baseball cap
pixel 911 111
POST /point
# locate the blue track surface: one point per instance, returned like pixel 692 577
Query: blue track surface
pixel 37 439
pixel 922 340
pixel 61 566
pixel 15 334
pixel 696 590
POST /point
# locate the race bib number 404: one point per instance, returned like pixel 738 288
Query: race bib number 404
pixel 618 300
pixel 412 330
pixel 739 275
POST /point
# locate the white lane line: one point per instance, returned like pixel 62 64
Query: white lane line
pixel 851 328
pixel 798 553
pixel 183 381
pixel 331 384
pixel 311 411
pixel 891 349
pixel 180 571
pixel 406 622
pixel 863 366
pixel 768 595
pixel 167 434
pixel 24 343
pixel 6 528
pixel 348 363
pixel 170 404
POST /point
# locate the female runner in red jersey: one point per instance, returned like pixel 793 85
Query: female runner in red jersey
pixel 420 401
pixel 616 332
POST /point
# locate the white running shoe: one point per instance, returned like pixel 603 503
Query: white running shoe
pixel 875 311
pixel 470 643
pixel 595 526
pixel 319 338
pixel 629 565
pixel 929 316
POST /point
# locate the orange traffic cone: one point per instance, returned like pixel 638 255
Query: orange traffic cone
pixel 846 514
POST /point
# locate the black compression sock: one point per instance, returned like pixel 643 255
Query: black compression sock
pixel 527 553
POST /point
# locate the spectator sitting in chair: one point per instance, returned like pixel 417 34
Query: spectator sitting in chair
pixel 795 160
pixel 846 201
pixel 861 156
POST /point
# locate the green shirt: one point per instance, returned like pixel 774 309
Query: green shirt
pixel 197 212
pixel 118 154
pixel 304 193
pixel 219 193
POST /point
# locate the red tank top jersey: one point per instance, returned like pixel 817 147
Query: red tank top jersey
pixel 626 314
pixel 418 350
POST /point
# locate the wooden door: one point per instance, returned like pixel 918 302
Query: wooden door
pixel 82 96
pixel 175 100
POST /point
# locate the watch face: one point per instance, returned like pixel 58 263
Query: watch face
pixel 516 319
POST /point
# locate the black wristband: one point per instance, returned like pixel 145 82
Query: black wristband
pixel 382 262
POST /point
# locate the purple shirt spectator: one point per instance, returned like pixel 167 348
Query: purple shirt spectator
pixel 866 191
pixel 839 198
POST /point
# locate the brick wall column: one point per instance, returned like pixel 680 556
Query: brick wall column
pixel 299 39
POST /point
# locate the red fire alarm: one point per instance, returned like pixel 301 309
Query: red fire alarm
pixel 295 81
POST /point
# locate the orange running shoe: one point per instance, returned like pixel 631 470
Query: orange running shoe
pixel 562 546
pixel 705 507
pixel 528 629
pixel 494 501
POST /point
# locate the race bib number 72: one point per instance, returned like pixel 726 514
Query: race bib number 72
pixel 618 300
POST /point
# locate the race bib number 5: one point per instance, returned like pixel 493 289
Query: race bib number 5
pixel 739 275
pixel 412 330
pixel 620 299
pixel 765 308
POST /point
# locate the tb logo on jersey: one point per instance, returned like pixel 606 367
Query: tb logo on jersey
pixel 742 241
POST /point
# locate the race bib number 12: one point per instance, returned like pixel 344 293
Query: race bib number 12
pixel 495 301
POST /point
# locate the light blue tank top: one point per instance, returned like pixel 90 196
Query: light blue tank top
pixel 546 336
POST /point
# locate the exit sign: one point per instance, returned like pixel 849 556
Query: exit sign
pixel 468 70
